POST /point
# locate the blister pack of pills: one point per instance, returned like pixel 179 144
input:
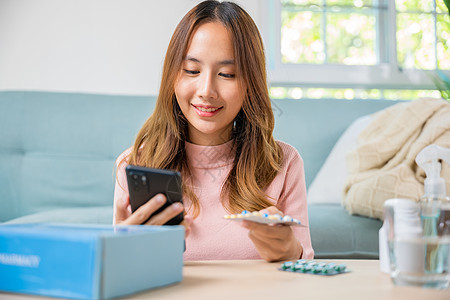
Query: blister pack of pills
pixel 314 267
pixel 259 217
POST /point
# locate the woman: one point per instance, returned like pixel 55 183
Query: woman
pixel 213 122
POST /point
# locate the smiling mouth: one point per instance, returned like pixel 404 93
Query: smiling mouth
pixel 207 109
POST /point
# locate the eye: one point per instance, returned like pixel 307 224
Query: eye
pixel 191 72
pixel 226 75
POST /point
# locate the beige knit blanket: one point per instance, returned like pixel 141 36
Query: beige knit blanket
pixel 383 164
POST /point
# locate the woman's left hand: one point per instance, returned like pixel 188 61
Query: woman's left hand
pixel 273 242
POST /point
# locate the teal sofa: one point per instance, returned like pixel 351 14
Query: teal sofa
pixel 57 154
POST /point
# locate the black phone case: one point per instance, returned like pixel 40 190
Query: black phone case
pixel 144 183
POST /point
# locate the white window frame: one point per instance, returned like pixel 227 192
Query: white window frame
pixel 385 75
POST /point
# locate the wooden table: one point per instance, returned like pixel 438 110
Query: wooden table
pixel 255 280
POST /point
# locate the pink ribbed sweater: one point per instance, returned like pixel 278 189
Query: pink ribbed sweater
pixel 214 238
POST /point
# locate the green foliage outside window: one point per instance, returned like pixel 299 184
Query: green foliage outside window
pixel 423 34
pixel 331 31
pixel 347 32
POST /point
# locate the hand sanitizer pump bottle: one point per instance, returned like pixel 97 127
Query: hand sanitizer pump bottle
pixel 435 209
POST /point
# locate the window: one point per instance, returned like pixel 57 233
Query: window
pixel 333 31
pixel 356 48
pixel 423 34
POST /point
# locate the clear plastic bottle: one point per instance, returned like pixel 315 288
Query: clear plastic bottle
pixel 435 216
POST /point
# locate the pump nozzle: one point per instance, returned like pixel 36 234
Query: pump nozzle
pixel 428 159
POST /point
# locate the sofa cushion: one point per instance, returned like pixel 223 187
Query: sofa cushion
pixel 328 185
pixel 58 150
pixel 336 234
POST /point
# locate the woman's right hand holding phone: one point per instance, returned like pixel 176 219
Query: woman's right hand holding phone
pixel 125 217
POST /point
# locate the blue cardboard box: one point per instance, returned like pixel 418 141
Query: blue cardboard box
pixel 88 262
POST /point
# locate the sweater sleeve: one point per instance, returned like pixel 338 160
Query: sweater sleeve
pixel 292 200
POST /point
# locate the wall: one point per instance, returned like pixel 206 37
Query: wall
pixel 94 46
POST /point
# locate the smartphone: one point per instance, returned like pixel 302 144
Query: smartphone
pixel 144 183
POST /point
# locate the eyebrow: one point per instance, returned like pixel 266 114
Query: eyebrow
pixel 223 62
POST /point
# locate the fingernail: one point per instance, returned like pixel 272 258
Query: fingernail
pixel 177 206
pixel 160 198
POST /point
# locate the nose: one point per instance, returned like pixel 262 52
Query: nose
pixel 207 86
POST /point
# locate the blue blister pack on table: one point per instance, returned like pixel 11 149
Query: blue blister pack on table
pixel 313 267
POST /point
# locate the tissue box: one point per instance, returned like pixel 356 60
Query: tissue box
pixel 89 262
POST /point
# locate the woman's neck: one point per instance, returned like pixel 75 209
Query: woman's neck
pixel 213 139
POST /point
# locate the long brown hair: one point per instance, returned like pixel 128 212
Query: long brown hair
pixel 160 142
